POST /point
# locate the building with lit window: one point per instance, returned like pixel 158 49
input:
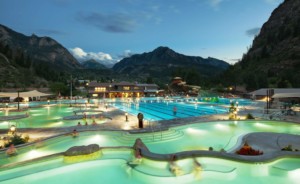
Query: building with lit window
pixel 121 90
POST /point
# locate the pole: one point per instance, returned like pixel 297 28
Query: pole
pixel 71 89
pixel 18 100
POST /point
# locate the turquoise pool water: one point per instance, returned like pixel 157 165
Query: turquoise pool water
pixel 197 136
pixel 215 171
pixel 153 109
pixel 46 117
pixel 160 109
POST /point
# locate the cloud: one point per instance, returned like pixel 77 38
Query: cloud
pixel 115 23
pixel 126 53
pixel 253 31
pixel 50 32
pixel 214 3
pixel 101 57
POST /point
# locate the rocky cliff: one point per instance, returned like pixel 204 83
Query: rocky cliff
pixel 274 58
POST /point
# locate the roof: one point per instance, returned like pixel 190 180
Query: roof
pixel 286 95
pixel 263 91
pixel 147 85
pixel 33 93
pixel 177 78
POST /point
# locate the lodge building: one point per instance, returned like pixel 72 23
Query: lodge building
pixel 121 90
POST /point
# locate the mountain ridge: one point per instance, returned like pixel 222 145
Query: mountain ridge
pixel 164 61
pixel 273 60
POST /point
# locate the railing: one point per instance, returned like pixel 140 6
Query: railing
pixel 154 125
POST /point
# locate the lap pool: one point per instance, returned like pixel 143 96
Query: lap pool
pixel 42 115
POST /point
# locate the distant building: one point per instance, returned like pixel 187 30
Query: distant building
pixel 276 92
pixel 121 89
pixel 180 87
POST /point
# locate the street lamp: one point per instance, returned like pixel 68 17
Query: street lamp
pixel 126 117
pixel 12 129
pixel 48 102
pixel 6 105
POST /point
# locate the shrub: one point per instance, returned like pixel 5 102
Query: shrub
pixel 249 116
pixel 16 140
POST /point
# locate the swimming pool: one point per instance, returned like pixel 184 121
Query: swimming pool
pixel 47 117
pixel 160 109
pixel 154 109
pixel 115 170
pixel 198 136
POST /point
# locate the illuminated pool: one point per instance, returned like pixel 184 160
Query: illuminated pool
pixel 162 109
pixel 43 116
pixel 46 117
pixel 112 167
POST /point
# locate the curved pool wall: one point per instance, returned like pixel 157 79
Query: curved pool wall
pixel 197 136
pixel 113 167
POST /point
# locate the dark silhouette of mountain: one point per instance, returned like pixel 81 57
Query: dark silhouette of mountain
pixel 32 61
pixel 38 49
pixel 93 64
pixel 274 58
pixel 164 63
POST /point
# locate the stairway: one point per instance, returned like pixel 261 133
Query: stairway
pixel 170 134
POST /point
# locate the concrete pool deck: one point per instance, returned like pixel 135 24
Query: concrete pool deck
pixel 116 121
pixel 271 144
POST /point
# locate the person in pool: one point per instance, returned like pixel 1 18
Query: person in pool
pixel 75 133
pixel 11 150
pixel 173 167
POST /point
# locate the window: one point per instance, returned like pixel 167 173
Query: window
pixel 100 89
pixel 126 88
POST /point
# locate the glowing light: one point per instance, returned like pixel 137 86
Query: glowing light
pixel 222 127
pixel 126 126
pixel 95 139
pixel 194 131
pixel 56 124
pixel 261 125
pixel 294 175
pixel 33 154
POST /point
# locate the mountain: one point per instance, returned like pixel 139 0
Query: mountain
pixel 32 61
pixel 163 63
pixel 274 58
pixel 93 64
pixel 38 49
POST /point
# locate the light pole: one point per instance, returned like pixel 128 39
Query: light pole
pixel 18 100
pixel 71 91
pixel 48 102
pixel 6 105
pixel 109 91
pixel 126 117
pixel 12 129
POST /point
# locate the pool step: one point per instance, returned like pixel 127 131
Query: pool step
pixel 170 134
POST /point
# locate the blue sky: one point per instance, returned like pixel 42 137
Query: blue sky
pixel 109 30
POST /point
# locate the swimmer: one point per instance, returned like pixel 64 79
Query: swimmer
pixel 75 133
pixel 11 150
pixel 173 167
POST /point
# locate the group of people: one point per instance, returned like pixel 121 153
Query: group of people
pixel 177 171
pixel 86 123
